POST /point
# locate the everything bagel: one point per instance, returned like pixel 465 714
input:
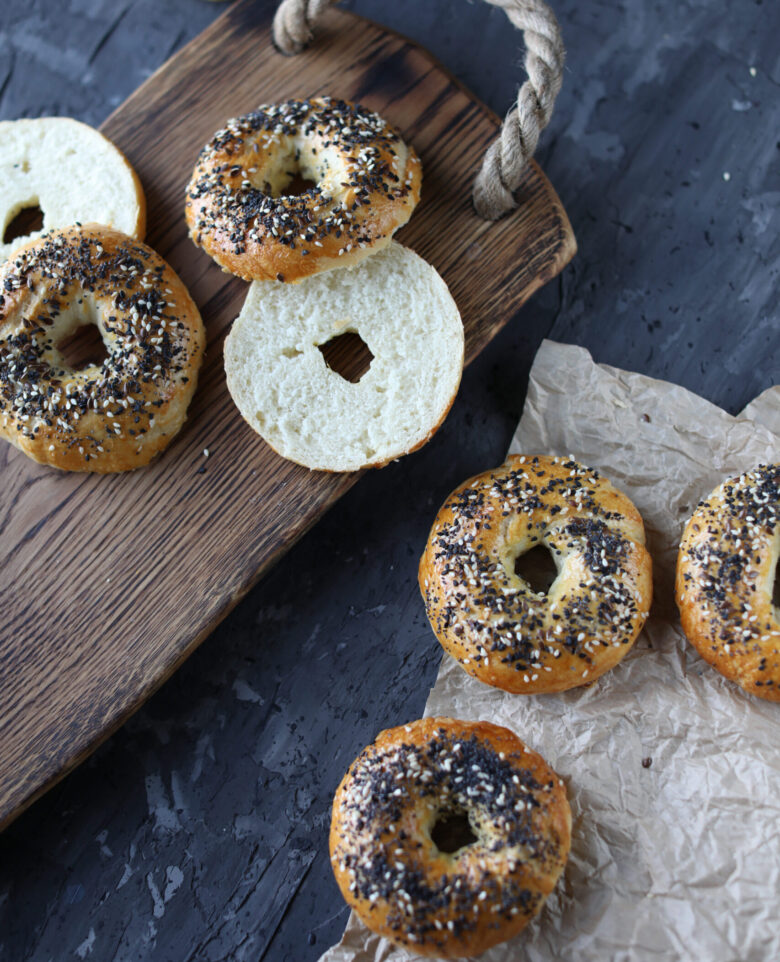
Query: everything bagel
pixel 491 620
pixel 111 415
pixel 448 901
pixel 725 575
pixel 366 182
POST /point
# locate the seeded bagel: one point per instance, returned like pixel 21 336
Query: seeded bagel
pixel 394 810
pixel 491 619
pixel 726 570
pixel 107 415
pixel 241 210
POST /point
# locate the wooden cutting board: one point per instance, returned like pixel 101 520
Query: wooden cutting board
pixel 107 583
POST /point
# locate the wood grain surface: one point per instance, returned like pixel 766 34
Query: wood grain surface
pixel 108 583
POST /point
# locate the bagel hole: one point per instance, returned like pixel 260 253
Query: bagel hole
pixel 348 355
pixel 297 185
pixel 452 831
pixel 537 568
pixel 83 347
pixel 28 219
pixel 776 587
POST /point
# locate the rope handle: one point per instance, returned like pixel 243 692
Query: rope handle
pixel 507 156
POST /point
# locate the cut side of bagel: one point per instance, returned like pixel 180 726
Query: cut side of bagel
pixel 284 388
pixel 72 173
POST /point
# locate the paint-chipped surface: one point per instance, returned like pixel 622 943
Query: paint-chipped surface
pixel 199 831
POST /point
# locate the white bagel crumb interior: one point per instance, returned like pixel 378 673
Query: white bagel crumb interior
pixel 69 170
pixel 278 377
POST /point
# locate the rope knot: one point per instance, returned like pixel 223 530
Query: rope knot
pixel 507 157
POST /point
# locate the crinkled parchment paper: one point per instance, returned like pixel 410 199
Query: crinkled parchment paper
pixel 679 860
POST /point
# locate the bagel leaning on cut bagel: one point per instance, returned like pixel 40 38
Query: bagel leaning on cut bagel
pixel 366 183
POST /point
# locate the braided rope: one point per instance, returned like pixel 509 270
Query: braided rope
pixel 506 158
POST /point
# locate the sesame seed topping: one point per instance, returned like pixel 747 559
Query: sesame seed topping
pixel 500 794
pixel 232 205
pixel 726 560
pixel 52 287
pixel 484 612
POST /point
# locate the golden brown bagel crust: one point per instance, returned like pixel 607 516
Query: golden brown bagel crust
pixel 491 620
pixel 396 878
pixel 725 577
pixel 109 416
pixel 367 183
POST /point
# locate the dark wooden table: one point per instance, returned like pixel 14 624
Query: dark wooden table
pixel 198 832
